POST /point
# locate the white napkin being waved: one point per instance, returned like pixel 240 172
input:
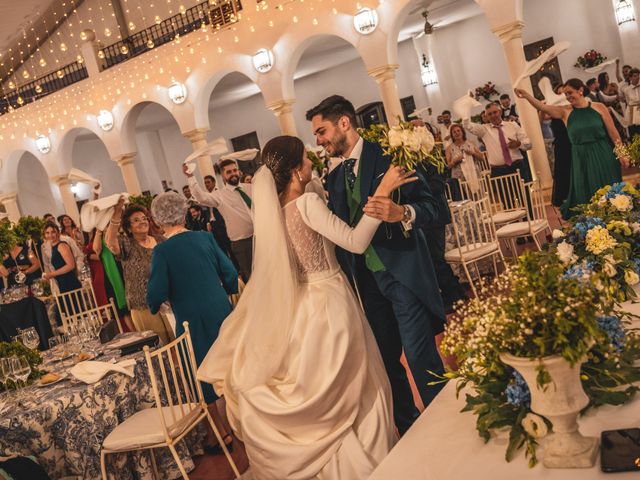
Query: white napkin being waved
pixel 470 173
pixel 97 213
pixel 91 372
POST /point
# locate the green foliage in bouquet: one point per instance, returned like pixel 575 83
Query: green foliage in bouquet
pixel 408 145
pixel 9 349
pixel 535 310
pixel 28 228
pixel 144 200
pixel 316 161
pixel 7 238
pixel 630 150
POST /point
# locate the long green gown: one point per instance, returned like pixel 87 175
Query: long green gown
pixel 191 272
pixel 593 164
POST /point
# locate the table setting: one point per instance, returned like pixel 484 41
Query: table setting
pixel 70 397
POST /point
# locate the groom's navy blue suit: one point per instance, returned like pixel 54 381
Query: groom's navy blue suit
pixel 401 302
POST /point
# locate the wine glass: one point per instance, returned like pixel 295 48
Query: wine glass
pixel 5 371
pixel 21 370
pixel 30 338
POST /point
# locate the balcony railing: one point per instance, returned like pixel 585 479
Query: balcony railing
pixel 220 15
pixel 43 86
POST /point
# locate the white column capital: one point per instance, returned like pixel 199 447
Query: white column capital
pixel 197 135
pixel 384 72
pixel 509 31
pixel 61 180
pixel 8 197
pixel 281 107
pixel 125 159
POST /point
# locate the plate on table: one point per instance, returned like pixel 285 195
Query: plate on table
pixel 61 377
pixel 128 339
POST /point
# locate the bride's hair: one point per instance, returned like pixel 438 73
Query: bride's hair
pixel 282 155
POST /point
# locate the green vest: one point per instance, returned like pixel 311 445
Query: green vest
pixel 371 258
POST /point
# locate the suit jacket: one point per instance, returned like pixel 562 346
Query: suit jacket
pixel 406 258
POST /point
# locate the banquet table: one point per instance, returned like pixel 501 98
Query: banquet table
pixel 443 444
pixel 28 312
pixel 63 425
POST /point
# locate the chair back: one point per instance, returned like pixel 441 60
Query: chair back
pixel 533 192
pixel 472 225
pixel 76 301
pixel 475 191
pixel 172 370
pixel 507 193
pixel 102 315
pixel 483 163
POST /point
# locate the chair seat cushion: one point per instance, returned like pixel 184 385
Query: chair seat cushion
pixel 508 217
pixel 475 251
pixel 520 229
pixel 144 428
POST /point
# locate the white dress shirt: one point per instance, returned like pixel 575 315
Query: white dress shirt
pixel 632 95
pixel 490 136
pixel 232 207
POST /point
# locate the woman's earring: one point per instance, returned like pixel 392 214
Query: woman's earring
pixel 299 176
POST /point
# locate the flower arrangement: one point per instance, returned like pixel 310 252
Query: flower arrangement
pixel 590 59
pixel 536 310
pixel 406 143
pixel 486 91
pixel 9 349
pixel 630 151
pixel 317 157
pixel 7 237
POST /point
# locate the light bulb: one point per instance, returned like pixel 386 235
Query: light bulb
pixel 107 32
pixel 43 62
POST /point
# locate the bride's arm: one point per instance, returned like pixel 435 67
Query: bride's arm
pixel 317 216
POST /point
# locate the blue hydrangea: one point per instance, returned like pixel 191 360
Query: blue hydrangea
pixel 517 392
pixel 616 189
pixel 613 328
pixel 586 224
pixel 580 271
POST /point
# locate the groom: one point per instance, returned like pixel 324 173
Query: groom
pixel 394 277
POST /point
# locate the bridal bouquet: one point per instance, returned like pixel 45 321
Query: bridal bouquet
pixel 534 311
pixel 590 59
pixel 407 144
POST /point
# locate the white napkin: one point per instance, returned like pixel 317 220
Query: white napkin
pixel 243 155
pixel 97 213
pixel 469 171
pixel 216 147
pixel 417 113
pixel 77 175
pixel 599 68
pixel 462 107
pixel 534 65
pixel 91 372
pixel 551 97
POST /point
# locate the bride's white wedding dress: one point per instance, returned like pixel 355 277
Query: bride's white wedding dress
pixel 325 412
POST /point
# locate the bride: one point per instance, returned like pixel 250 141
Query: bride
pixel 296 361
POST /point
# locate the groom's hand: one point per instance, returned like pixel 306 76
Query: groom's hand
pixel 385 209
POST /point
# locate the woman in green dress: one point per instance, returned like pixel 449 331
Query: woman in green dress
pixel 592 135
pixel 192 273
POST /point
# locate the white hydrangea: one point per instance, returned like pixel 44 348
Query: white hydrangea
pixel 556 234
pixel 622 203
pixel 565 253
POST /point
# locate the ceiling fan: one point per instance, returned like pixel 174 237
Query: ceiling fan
pixel 429 27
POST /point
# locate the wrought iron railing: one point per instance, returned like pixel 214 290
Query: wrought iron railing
pixel 219 15
pixel 43 86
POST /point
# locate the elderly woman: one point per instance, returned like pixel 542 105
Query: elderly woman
pixel 133 249
pixel 191 272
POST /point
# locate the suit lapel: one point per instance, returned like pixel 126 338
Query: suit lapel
pixel 366 169
pixel 338 193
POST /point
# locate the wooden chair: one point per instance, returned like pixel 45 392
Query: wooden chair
pixel 475 237
pixel 484 163
pixel 508 199
pixel 104 312
pixel 535 222
pixel 469 191
pixel 168 422
pixel 74 302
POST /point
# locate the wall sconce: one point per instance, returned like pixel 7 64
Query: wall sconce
pixel 263 60
pixel 74 188
pixel 428 73
pixel 43 144
pixel 624 12
pixel 177 92
pixel 105 120
pixel 365 21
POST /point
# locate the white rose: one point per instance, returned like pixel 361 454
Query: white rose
pixel 609 259
pixel 410 140
pixel 426 139
pixel 395 138
pixel 610 270
pixel 602 200
pixel 622 203
pixel 556 234
pixel 565 253
pixel 534 425
pixel 635 227
pixel 631 277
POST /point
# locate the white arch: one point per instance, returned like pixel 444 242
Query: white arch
pixel 64 151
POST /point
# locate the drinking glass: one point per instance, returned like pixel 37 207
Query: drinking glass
pixel 5 371
pixel 30 338
pixel 21 370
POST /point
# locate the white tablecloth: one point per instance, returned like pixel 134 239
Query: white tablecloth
pixel 443 444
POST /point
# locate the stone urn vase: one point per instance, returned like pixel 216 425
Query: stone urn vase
pixel 560 402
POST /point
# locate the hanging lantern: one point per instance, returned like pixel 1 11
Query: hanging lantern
pixel 43 144
pixel 177 92
pixel 105 120
pixel 365 21
pixel 263 60
pixel 624 12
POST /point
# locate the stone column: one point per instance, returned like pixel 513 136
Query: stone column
pixel 198 139
pixel 89 49
pixel 385 77
pixel 127 166
pixel 283 111
pixel 68 198
pixel 10 203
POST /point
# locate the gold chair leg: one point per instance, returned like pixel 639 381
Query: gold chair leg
pixel 154 464
pixel 103 464
pixel 176 457
pixel 216 432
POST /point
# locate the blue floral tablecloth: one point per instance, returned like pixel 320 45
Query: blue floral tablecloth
pixel 64 425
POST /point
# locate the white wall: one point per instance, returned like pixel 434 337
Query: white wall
pixel 90 156
pixel 35 196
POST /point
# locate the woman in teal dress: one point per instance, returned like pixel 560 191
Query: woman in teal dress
pixel 192 273
pixel 592 134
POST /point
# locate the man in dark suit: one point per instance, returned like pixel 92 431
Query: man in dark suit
pixel 395 276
